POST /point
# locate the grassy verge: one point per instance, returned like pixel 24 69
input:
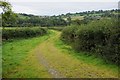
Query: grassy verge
pixel 20 60
pixel 65 61
pixel 15 52
pixel 91 60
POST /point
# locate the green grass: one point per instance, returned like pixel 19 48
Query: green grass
pixel 20 59
pixel 77 17
pixel 71 64
pixel 89 59
pixel 15 51
pixel 60 28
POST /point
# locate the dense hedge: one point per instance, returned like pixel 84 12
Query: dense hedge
pixel 10 33
pixel 101 37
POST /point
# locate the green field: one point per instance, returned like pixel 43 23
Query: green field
pixel 77 17
pixel 70 42
pixel 16 51
pixel 49 57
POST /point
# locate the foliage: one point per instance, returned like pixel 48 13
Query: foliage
pixel 8 16
pixel 22 32
pixel 21 59
pixel 25 20
pixel 6 6
pixel 9 19
pixel 101 37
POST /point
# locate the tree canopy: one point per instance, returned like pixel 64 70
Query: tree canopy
pixel 8 16
pixel 6 6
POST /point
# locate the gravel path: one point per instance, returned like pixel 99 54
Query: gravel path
pixel 49 67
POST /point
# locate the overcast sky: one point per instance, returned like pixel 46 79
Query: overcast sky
pixel 55 7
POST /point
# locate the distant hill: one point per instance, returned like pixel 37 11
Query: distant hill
pixel 27 20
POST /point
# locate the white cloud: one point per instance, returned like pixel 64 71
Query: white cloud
pixel 51 8
pixel 23 9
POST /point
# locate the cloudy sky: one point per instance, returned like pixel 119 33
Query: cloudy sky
pixel 55 7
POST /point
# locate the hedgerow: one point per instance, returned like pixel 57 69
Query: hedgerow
pixel 102 37
pixel 22 32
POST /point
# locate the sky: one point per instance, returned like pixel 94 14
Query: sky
pixel 56 7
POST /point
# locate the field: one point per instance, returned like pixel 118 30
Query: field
pixel 48 56
pixel 56 44
pixel 77 17
pixel 18 51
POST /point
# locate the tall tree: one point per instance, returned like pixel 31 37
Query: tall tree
pixel 6 6
pixel 8 16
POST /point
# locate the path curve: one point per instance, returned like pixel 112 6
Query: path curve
pixel 61 65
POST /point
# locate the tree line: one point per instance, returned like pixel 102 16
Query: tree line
pixel 11 19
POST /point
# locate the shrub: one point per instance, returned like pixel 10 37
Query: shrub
pixel 22 32
pixel 68 33
pixel 101 37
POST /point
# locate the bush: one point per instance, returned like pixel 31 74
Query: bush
pixel 101 37
pixel 68 33
pixel 22 32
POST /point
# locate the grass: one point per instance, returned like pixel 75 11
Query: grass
pixel 60 28
pixel 77 17
pixel 21 59
pixel 91 60
pixel 30 68
pixel 63 59
pixel 15 51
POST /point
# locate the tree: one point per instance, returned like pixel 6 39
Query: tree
pixel 8 16
pixel 9 19
pixel 6 6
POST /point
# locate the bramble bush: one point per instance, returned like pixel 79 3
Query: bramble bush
pixel 101 37
pixel 22 32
